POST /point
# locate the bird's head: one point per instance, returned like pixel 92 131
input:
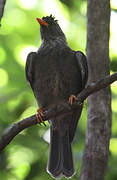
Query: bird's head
pixel 50 28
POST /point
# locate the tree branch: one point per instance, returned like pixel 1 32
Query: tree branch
pixel 2 5
pixel 16 128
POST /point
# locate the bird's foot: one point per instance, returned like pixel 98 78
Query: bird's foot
pixel 71 98
pixel 39 116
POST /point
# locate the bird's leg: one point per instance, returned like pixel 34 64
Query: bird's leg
pixel 39 116
pixel 71 98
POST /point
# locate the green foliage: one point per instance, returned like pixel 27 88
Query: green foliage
pixel 25 158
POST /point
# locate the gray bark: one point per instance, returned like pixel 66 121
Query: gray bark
pixel 96 151
pixel 2 4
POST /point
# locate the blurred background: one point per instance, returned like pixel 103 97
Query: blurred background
pixel 25 158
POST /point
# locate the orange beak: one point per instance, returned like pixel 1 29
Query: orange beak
pixel 41 22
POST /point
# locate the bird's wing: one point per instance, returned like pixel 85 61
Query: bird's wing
pixel 82 63
pixel 73 123
pixel 29 66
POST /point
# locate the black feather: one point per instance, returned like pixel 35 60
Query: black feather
pixel 55 72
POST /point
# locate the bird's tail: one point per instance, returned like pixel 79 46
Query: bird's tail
pixel 60 158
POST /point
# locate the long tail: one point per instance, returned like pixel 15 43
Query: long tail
pixel 60 159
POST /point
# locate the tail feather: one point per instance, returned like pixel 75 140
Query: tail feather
pixel 68 165
pixel 60 158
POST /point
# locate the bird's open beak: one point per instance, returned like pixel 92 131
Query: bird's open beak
pixel 41 22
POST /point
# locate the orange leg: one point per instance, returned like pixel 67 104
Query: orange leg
pixel 71 98
pixel 39 116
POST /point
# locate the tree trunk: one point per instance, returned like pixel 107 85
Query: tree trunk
pixel 96 151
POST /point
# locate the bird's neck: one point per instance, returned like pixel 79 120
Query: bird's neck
pixel 54 42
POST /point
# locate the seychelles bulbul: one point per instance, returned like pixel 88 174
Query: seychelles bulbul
pixel 56 74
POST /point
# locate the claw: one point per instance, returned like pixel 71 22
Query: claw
pixel 71 98
pixel 39 116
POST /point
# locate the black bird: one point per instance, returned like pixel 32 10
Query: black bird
pixel 56 74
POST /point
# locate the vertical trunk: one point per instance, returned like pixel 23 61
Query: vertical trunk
pixel 96 151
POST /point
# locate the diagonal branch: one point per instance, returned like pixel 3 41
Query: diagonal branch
pixel 16 128
pixel 2 5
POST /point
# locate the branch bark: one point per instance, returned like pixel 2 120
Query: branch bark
pixel 2 5
pixel 16 128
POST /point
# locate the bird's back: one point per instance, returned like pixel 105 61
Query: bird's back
pixel 57 76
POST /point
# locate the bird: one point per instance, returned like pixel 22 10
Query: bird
pixel 56 74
